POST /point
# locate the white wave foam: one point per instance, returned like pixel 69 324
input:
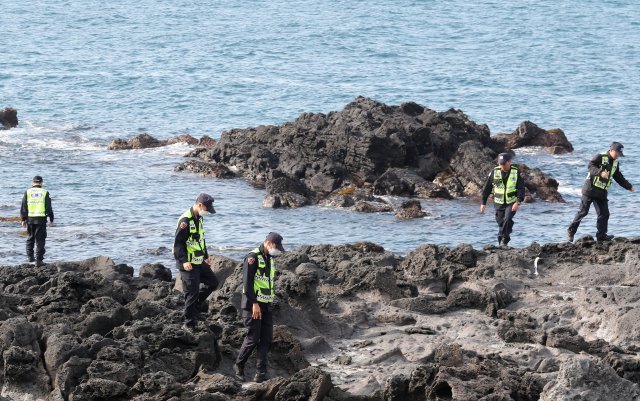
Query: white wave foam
pixel 63 137
pixel 564 188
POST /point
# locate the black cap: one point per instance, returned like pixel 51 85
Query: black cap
pixel 37 178
pixel 617 146
pixel 503 158
pixel 207 201
pixel 276 239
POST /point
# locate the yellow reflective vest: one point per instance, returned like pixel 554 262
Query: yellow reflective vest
pixel 195 242
pixel 263 280
pixel 36 202
pixel 600 182
pixel 505 194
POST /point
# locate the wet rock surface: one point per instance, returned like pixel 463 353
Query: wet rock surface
pixel 144 141
pixel 372 149
pixel 529 134
pixel 353 322
pixel 8 118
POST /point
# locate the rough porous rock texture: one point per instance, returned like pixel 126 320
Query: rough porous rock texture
pixel 144 141
pixel 353 322
pixel 369 148
pixel 529 134
pixel 8 118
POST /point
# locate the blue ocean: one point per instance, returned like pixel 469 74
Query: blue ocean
pixel 81 73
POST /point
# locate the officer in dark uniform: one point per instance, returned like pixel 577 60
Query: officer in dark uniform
pixel 507 186
pixel 603 169
pixel 36 206
pixel 192 259
pixel 257 304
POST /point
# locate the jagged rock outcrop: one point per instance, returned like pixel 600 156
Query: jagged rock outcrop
pixel 352 322
pixel 144 141
pixel 405 150
pixel 410 209
pixel 8 118
pixel 529 134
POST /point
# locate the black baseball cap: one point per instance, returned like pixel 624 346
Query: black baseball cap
pixel 617 146
pixel 503 158
pixel 207 201
pixel 37 178
pixel 276 239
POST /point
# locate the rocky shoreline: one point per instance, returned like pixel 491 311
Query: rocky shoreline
pixel 353 322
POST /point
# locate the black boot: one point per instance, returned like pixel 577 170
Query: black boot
pixel 239 371
pixel 260 377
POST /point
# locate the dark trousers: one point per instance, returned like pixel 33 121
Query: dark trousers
pixel 259 334
pixel 194 295
pixel 504 218
pixel 37 236
pixel 602 210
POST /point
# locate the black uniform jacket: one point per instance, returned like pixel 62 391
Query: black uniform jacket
pixel 249 268
pixel 595 168
pixel 488 186
pixel 24 210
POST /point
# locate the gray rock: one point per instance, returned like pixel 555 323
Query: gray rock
pixel 589 380
pixel 8 118
pixel 529 134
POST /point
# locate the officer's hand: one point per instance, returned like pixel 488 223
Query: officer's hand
pixel 483 208
pixel 187 266
pixel 633 189
pixel 51 223
pixel 604 174
pixel 208 261
pixel 23 223
pixel 515 207
pixel 256 313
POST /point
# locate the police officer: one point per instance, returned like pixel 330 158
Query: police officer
pixel 258 293
pixel 192 259
pixel 36 206
pixel 507 186
pixel 603 169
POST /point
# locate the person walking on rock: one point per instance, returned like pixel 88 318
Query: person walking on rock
pixel 258 273
pixel 507 186
pixel 603 169
pixel 36 206
pixel 192 259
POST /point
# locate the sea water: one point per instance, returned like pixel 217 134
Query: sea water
pixel 82 73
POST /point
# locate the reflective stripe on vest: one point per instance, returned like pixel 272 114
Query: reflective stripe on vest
pixel 263 280
pixel 598 181
pixel 195 243
pixel 502 195
pixel 35 202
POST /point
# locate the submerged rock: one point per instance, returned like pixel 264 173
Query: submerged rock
pixel 144 141
pixel 8 118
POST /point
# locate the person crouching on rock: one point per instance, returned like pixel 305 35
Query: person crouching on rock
pixel 36 206
pixel 192 259
pixel 603 169
pixel 258 273
pixel 507 186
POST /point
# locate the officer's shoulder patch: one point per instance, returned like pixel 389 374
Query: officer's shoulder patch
pixel 183 225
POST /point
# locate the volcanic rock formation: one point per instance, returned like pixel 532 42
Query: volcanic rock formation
pixel 405 150
pixel 353 322
pixel 144 141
